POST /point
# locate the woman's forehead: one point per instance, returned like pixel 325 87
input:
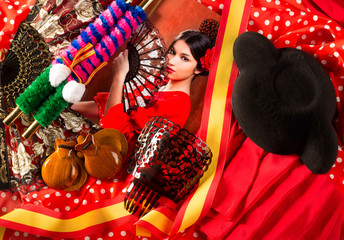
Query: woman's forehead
pixel 181 46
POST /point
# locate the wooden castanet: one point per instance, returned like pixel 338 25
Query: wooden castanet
pixel 63 169
pixel 103 152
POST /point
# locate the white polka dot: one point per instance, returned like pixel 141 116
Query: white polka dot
pixel 298 1
pixel 287 42
pixel 256 14
pixel 339 160
pixel 102 191
pixel 56 210
pixel 268 1
pixel 16 3
pixel 263 8
pixel 3 195
pixel 287 23
pixel 84 202
pixel 5 19
pixel 277 3
pixel 195 234
pixel 145 239
pixel 210 7
pixel 110 234
pixel 124 190
pixel 99 182
pixel 36 203
pixel 251 22
pixel 87 238
pixel 67 208
pixel 276 28
pixel 291 13
pixel 14 198
pixel 334 165
pixel 221 6
pixel 57 194
pixel 277 18
pixel 267 22
pixel 25 234
pixel 304 36
pixel 338 100
pixel 323 62
pixel 19 11
pixel 311 29
pixel 16 233
pixel 332 176
pixel 327 27
pixel 302 13
pixel 99 239
pixel 2 33
pixel 123 233
pixel 34 195
pixel 338 28
pixel 269 36
pixel 9 6
pixel 332 45
pixel 313 42
pixel 12 21
pixel 111 190
pixel 47 195
pixel 91 190
pixel 336 54
pixel 68 195
pixel 116 180
pixel 4 209
pixel 76 201
pixel 315 18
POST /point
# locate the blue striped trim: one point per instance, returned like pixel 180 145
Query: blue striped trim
pixel 95 32
pixel 85 37
pixel 105 48
pixel 128 21
pixel 90 62
pixel 114 40
pixel 59 60
pixel 105 24
pixel 113 14
pixel 100 57
pixel 75 44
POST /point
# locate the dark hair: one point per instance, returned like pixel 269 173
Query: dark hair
pixel 198 43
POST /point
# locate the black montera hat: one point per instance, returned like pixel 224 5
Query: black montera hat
pixel 284 101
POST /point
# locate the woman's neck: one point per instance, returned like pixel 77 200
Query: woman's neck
pixel 179 85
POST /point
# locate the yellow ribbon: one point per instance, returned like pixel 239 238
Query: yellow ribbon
pixel 82 54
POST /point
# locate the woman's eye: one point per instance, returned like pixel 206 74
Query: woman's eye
pixel 185 59
pixel 171 52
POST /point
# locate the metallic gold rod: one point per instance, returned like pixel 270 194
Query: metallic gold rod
pixel 145 4
pixel 31 130
pixel 12 116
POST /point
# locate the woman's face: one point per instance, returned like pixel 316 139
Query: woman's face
pixel 181 63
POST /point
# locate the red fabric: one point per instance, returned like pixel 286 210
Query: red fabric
pixel 12 13
pixel 333 8
pixel 267 195
pixel 173 105
pixel 214 5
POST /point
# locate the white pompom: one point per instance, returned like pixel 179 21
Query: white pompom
pixel 58 73
pixel 73 91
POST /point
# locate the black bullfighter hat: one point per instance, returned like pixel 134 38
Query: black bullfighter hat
pixel 284 101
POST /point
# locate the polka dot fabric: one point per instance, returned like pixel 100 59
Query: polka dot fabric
pixel 12 13
pixel 291 24
pixel 214 5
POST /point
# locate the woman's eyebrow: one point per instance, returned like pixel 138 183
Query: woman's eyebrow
pixel 185 54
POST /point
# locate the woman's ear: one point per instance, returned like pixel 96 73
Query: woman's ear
pixel 197 71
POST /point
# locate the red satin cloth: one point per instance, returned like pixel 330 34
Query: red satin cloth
pixel 267 196
pixel 173 105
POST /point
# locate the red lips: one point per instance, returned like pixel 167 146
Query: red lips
pixel 169 70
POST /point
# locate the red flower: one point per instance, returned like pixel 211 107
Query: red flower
pixel 207 59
